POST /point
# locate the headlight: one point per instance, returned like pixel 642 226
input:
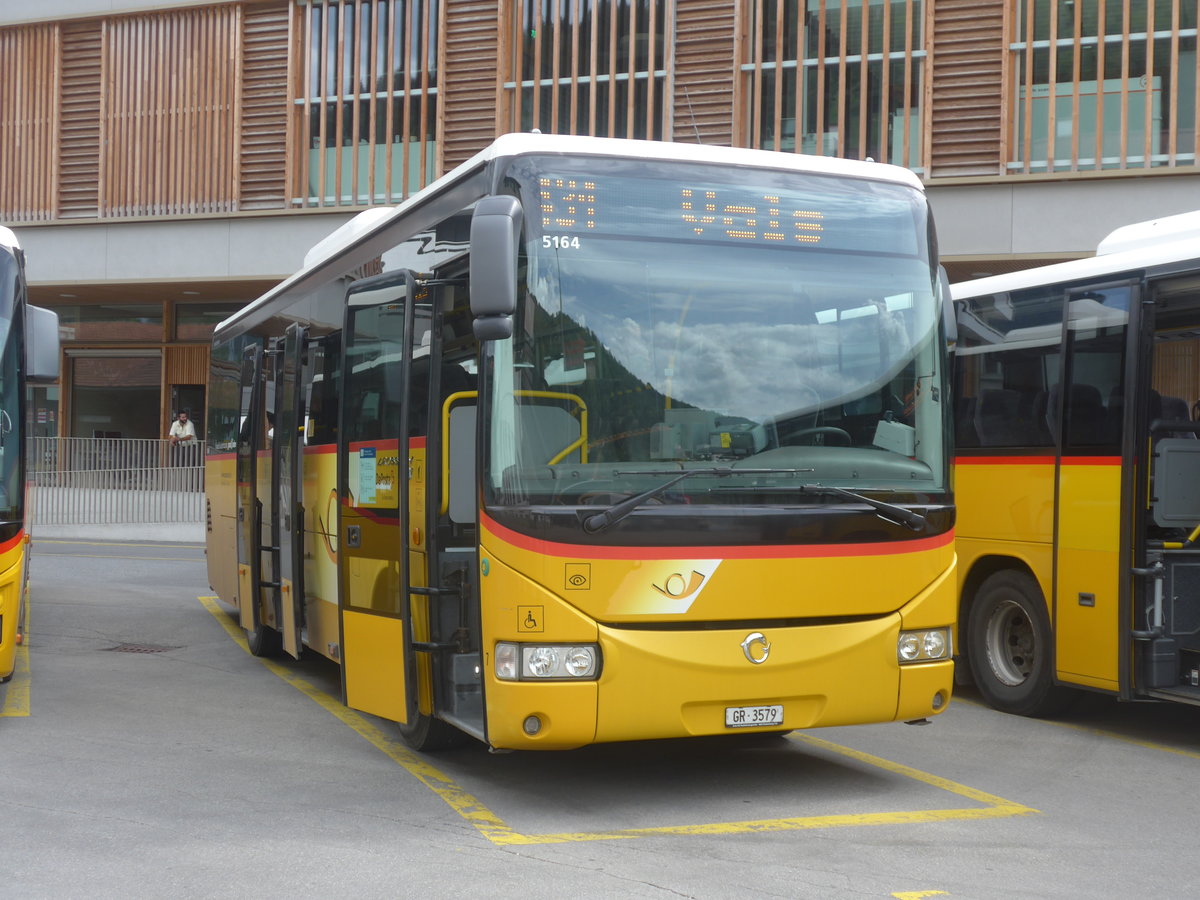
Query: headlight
pixel 531 662
pixel 923 646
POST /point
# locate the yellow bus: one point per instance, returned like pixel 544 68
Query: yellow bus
pixel 28 354
pixel 600 440
pixel 1078 473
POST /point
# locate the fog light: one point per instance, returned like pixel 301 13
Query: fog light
pixel 532 725
pixel 939 700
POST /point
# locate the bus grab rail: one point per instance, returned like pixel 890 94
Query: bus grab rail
pixel 580 444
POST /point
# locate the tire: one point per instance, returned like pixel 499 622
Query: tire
pixel 1011 648
pixel 427 733
pixel 264 641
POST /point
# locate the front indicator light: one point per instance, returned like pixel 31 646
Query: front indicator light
pixel 547 662
pixel 923 646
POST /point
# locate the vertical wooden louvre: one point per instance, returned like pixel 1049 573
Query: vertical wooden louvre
pixel 1103 86
pixel 470 61
pixel 705 51
pixel 834 78
pixel 168 126
pixel 79 114
pixel 966 115
pixel 365 81
pixel 28 122
pixel 263 154
pixel 587 67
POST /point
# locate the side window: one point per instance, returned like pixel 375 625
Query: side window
pixel 1093 408
pixel 323 391
pixel 1007 367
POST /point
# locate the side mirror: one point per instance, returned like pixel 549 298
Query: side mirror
pixel 948 314
pixel 495 230
pixel 41 345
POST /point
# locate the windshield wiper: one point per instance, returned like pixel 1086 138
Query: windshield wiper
pixel 897 515
pixel 599 521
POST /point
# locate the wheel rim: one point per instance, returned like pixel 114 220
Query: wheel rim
pixel 1011 646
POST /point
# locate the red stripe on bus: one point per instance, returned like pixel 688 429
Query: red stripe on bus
pixel 1036 460
pixel 783 551
pixel 12 541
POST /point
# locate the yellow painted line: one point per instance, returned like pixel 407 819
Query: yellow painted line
pixel 16 692
pixel 498 832
pixel 1100 732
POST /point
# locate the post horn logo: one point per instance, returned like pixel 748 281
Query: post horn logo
pixel 756 647
pixel 678 586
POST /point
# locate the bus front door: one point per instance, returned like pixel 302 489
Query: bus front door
pixel 254 516
pixel 288 452
pixel 376 638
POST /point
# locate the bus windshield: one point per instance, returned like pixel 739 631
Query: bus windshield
pixel 779 329
pixel 11 493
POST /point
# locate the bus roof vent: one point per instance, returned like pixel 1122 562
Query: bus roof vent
pixel 345 235
pixel 1141 235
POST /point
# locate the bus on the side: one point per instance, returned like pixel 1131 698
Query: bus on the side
pixel 29 353
pixel 600 440
pixel 1078 473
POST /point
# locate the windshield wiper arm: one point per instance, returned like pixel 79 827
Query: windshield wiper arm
pixel 599 521
pixel 897 515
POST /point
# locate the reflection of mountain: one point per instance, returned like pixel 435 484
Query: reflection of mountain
pixel 623 410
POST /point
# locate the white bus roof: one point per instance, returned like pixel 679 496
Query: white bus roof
pixel 1141 245
pixel 377 219
pixel 8 239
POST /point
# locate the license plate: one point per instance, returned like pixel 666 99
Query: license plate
pixel 753 716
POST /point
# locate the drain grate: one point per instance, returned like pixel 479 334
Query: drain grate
pixel 140 648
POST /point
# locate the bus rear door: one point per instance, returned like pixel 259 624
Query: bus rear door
pixel 376 638
pixel 288 441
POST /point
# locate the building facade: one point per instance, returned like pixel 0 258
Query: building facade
pixel 165 162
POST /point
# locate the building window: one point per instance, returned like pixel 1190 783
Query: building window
pixel 195 322
pixel 116 396
pixel 850 72
pixel 589 67
pixel 366 100
pixel 1103 85
pixel 110 322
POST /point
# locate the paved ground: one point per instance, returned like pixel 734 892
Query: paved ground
pixel 144 753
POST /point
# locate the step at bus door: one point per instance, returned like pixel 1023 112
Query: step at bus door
pixel 249 509
pixel 373 570
pixel 288 447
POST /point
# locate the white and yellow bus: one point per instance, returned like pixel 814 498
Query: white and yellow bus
pixel 29 352
pixel 1078 473
pixel 598 440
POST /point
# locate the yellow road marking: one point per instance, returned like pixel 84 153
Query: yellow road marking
pixel 917 895
pixel 1100 732
pixel 16 692
pixel 498 832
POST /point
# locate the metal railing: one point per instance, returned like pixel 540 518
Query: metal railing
pixel 100 481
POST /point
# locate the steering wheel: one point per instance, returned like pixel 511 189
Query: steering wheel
pixel 840 437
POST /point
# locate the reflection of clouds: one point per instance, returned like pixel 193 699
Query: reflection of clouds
pixel 725 344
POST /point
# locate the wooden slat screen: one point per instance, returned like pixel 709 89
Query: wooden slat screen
pixel 365 85
pixel 28 122
pixel 186 364
pixel 1103 86
pixel 168 124
pixel 835 78
pixel 703 88
pixel 264 160
pixel 595 67
pixel 470 61
pixel 79 115
pixel 967 74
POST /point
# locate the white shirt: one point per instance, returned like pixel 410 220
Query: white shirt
pixel 183 429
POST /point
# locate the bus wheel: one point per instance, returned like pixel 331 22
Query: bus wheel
pixel 1009 646
pixel 264 640
pixel 428 733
